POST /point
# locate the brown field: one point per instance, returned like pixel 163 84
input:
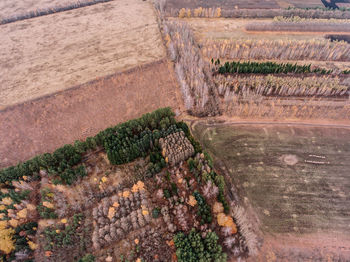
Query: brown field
pixel 43 55
pixel 45 124
pixel 283 173
pixel 12 8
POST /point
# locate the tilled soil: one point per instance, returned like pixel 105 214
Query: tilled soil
pixel 44 124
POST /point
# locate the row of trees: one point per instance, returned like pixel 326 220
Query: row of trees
pixel 324 13
pixel 63 162
pixel 244 87
pixel 192 71
pixel 266 68
pixel 192 247
pixel 252 49
pixel 303 26
pixel 204 210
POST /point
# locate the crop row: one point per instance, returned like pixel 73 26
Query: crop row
pixel 298 19
pixel 266 68
pixel 52 10
pixel 258 13
pixel 279 86
pixel 303 26
pixel 321 50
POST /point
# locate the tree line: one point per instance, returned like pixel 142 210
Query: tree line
pixel 266 68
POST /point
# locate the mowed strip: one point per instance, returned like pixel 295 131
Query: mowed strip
pixel 47 54
pixel 44 124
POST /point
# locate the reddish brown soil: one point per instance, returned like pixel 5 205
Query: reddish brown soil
pixel 316 247
pixel 46 123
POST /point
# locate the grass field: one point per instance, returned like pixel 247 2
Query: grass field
pixel 43 55
pixel 295 178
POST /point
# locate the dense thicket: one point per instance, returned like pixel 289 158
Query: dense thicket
pixel 248 49
pixel 122 150
pixel 52 10
pixel 64 161
pixel 193 247
pixel 266 68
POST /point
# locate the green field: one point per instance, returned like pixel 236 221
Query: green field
pixel 296 179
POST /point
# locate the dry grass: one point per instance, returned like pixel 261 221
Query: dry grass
pixel 13 8
pixel 51 53
pixel 220 28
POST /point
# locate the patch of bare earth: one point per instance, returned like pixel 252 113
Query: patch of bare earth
pixel 44 124
pixel 312 247
pixel 50 53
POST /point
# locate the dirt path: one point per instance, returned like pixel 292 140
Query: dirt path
pixel 44 124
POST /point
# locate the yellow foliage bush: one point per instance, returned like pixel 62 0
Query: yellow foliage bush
pixel 218 208
pixel 227 221
pixel 23 213
pixel 7 244
pixel 111 212
pixel 182 13
pixel 192 201
pixel 7 201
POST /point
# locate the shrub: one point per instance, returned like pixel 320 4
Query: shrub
pixel 87 258
pixel 204 210
pixel 156 212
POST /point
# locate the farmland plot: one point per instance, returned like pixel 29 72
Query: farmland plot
pixel 295 178
pixel 50 53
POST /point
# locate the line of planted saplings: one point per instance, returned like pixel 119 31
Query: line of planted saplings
pixel 289 86
pixel 265 68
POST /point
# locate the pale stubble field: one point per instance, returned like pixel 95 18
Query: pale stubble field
pixel 51 53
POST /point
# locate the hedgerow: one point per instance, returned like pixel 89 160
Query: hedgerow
pixel 266 68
